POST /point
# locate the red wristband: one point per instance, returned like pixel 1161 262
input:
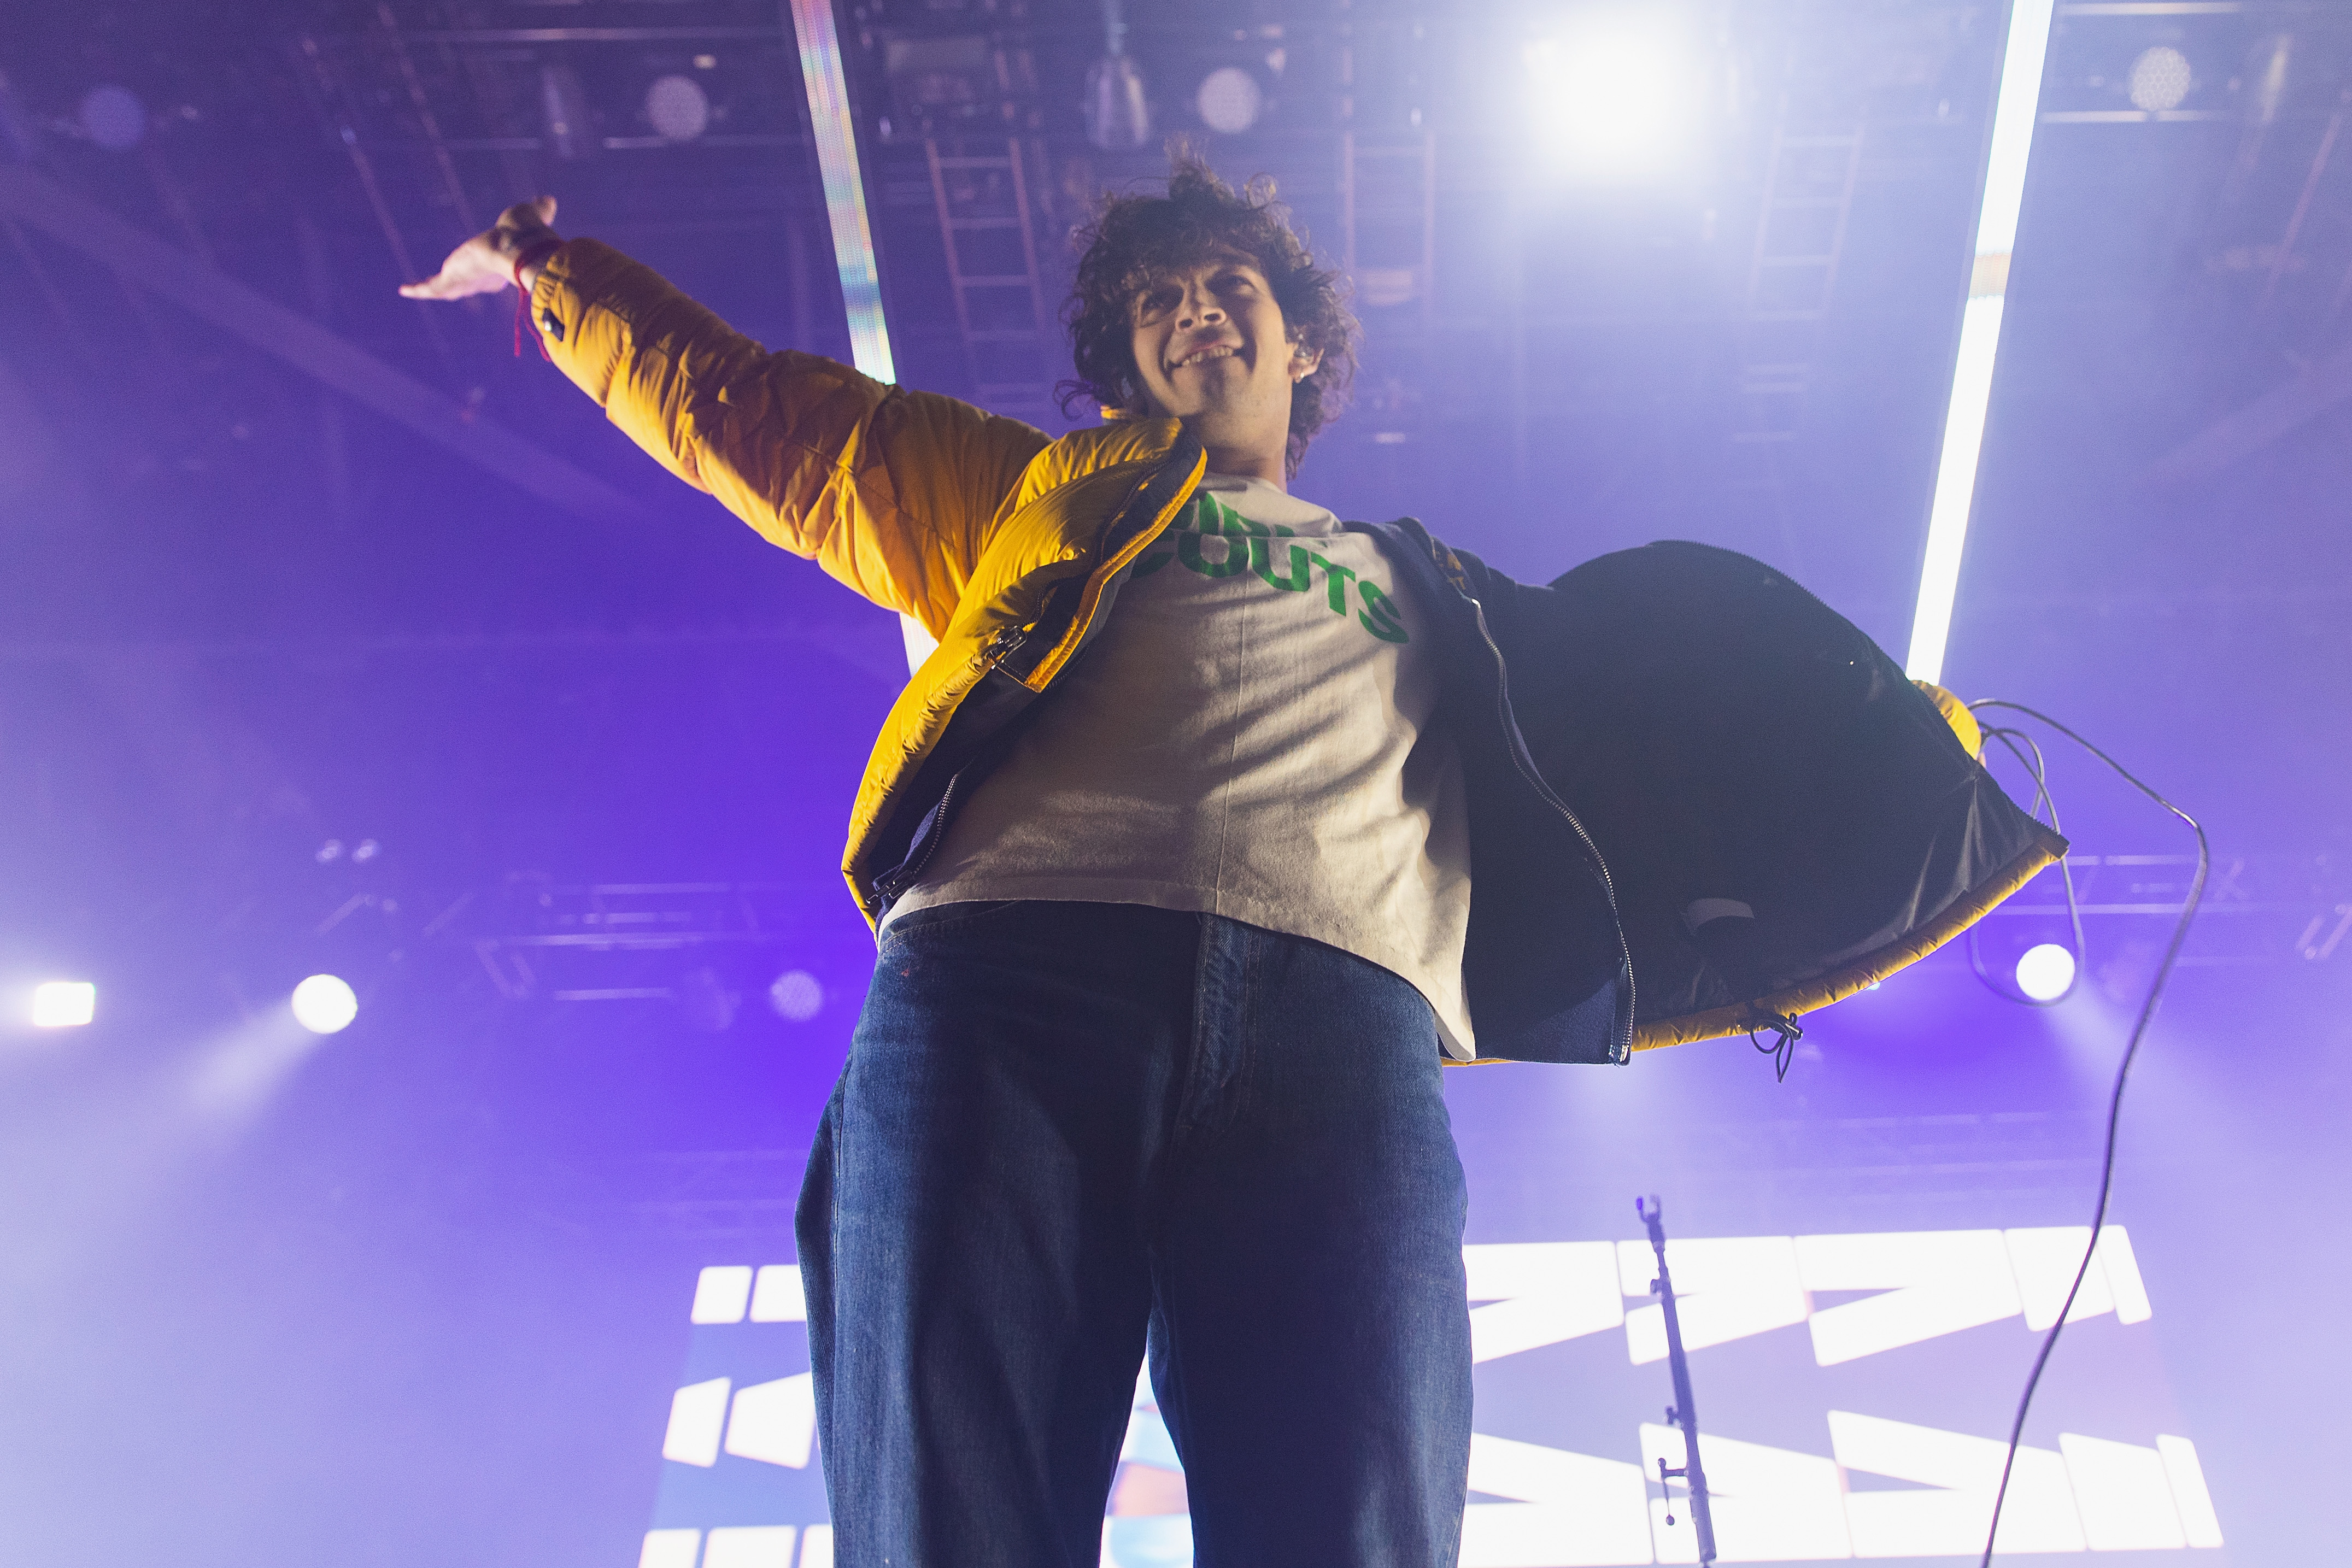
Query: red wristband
pixel 532 254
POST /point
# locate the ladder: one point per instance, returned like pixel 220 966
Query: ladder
pixel 1809 186
pixel 988 228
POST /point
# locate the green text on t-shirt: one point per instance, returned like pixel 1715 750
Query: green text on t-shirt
pixel 1241 543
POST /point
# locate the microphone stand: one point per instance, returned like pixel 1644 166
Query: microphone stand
pixel 1682 1413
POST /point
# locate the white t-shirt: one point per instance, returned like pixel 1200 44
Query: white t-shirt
pixel 1250 735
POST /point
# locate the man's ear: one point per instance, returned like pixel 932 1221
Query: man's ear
pixel 1303 362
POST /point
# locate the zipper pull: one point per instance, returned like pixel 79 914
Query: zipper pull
pixel 1006 643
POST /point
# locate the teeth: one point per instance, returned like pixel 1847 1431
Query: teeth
pixel 1223 351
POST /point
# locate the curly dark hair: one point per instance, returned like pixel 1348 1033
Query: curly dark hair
pixel 1135 239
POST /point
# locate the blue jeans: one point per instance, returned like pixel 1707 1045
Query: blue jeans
pixel 1067 1129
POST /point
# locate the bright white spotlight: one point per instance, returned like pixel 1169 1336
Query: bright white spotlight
pixel 64 1004
pixel 2046 972
pixel 324 1004
pixel 1229 101
pixel 797 996
pixel 2160 78
pixel 1613 97
pixel 677 107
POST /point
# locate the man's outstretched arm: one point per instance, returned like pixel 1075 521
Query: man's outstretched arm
pixel 890 491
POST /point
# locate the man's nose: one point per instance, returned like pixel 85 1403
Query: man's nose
pixel 1201 306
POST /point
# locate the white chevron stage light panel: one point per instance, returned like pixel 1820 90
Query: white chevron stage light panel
pixel 774 1422
pixel 741 1487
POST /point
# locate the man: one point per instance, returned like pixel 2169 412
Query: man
pixel 1211 827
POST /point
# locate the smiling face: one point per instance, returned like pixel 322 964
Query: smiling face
pixel 1211 350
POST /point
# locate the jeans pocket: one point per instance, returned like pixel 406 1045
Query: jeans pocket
pixel 917 923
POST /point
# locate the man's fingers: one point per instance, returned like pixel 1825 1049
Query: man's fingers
pixel 478 267
pixel 450 286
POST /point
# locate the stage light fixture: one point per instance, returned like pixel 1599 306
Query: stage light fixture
pixel 2160 78
pixel 325 1004
pixel 114 117
pixel 845 188
pixel 1119 114
pixel 1230 100
pixel 845 200
pixel 2046 972
pixel 1118 110
pixel 2016 106
pixel 564 111
pixel 797 996
pixel 677 107
pixel 64 1004
pixel 1613 97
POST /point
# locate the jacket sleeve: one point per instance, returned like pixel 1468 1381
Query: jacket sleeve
pixel 1786 818
pixel 892 492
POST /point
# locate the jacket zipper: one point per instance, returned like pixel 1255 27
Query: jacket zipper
pixel 906 876
pixel 1003 646
pixel 1503 716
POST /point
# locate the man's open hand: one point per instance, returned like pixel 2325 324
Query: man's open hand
pixel 485 263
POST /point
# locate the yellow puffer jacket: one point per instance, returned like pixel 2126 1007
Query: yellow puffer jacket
pixel 1788 818
pixel 927 506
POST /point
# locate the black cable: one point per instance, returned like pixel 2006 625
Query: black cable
pixel 2038 770
pixel 1782 1049
pixel 2114 1099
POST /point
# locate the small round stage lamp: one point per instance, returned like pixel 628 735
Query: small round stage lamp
pixel 64 1004
pixel 2160 78
pixel 2046 972
pixel 797 996
pixel 114 117
pixel 324 1004
pixel 1229 101
pixel 677 107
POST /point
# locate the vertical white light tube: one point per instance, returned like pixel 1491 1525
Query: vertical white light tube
pixel 2016 107
pixel 844 191
pixel 852 237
